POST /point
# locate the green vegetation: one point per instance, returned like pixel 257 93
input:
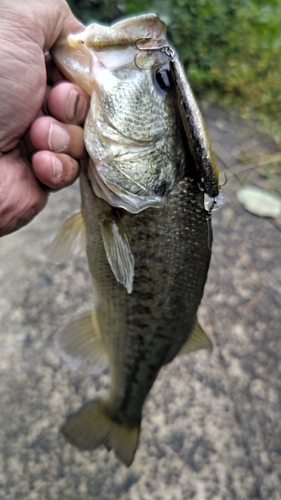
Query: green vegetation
pixel 230 48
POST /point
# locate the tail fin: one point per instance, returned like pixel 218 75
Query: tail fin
pixel 91 427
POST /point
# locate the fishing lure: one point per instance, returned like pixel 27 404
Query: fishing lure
pixel 198 139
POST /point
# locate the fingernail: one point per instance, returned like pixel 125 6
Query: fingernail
pixel 75 107
pixel 57 167
pixel 58 138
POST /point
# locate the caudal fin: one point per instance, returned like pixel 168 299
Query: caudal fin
pixel 91 427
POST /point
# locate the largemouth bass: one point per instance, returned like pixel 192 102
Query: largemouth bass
pixel 148 234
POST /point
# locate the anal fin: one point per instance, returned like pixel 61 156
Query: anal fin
pixel 197 340
pixel 81 346
pixel 70 240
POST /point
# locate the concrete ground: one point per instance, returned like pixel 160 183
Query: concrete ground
pixel 212 423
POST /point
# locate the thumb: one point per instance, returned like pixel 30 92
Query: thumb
pixel 52 20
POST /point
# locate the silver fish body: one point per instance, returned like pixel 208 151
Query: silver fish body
pixel 148 238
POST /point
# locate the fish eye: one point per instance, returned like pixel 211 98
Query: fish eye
pixel 163 80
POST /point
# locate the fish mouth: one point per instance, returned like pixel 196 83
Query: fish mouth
pixel 119 197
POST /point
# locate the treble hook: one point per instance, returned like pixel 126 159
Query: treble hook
pixel 164 49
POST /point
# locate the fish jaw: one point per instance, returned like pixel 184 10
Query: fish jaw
pixel 108 47
pixel 123 33
pixel 75 65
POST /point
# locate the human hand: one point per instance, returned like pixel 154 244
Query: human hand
pixel 27 31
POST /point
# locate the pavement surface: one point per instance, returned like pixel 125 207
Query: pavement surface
pixel 211 426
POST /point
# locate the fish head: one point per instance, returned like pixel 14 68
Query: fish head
pixel 132 130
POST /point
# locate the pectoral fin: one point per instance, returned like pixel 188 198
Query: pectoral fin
pixel 118 251
pixel 70 240
pixel 81 346
pixel 197 340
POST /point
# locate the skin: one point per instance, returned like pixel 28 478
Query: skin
pixel 41 137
